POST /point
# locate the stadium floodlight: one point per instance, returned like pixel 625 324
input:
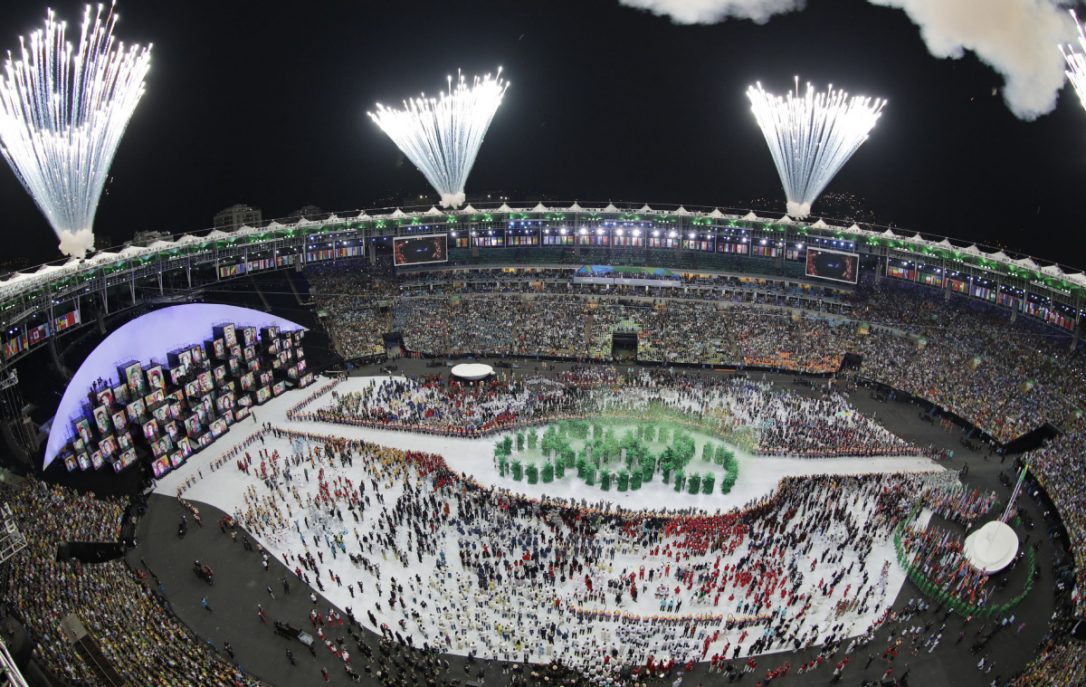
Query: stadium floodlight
pixel 442 135
pixel 63 111
pixel 1076 62
pixel 811 136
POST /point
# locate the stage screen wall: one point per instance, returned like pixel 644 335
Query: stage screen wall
pixel 420 250
pixel 836 265
pixel 144 339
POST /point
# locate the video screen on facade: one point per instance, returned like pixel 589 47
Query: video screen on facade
pixel 836 265
pixel 419 250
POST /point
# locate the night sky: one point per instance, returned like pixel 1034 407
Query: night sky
pixel 265 103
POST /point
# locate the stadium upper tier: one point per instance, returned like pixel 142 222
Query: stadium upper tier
pixel 737 239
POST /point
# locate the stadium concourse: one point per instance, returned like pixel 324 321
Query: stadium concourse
pixel 932 645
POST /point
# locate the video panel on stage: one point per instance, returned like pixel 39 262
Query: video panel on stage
pixel 823 263
pixel 420 250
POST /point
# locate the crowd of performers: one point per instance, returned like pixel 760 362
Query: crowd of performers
pixel 437 558
pixel 781 422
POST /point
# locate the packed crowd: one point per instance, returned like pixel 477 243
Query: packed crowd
pixel 1060 468
pixel 968 358
pixel 350 303
pixel 436 557
pixel 141 640
pixel 447 407
pixel 780 422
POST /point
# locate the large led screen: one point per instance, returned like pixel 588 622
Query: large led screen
pixel 833 264
pixel 419 250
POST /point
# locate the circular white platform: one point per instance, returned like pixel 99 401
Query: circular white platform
pixel 992 547
pixel 472 371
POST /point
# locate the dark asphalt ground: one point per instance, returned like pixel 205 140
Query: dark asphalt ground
pixel 240 584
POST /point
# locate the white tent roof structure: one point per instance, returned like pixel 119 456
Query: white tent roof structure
pixel 362 215
pixel 991 547
pixel 821 224
pixel 682 212
pixel 433 212
pixel 468 210
pixel 504 208
pixel 646 208
pixel 540 207
pixel 785 220
pixel 610 208
pixel 716 214
pixel 397 214
pixel 576 207
pixel 750 216
pixel 1053 271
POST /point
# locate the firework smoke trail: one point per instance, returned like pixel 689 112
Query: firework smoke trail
pixel 442 135
pixel 1076 62
pixel 811 136
pixel 63 111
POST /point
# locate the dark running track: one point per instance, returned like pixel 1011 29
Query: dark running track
pixel 240 584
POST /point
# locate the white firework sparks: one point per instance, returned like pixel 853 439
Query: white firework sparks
pixel 1076 62
pixel 811 136
pixel 63 111
pixel 442 135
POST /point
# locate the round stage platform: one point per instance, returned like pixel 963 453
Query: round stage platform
pixel 992 547
pixel 472 371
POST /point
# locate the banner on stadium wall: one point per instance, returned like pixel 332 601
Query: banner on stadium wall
pixel 900 273
pixel 1006 299
pixel 729 247
pixel 1060 320
pixel 69 319
pixel 14 346
pixel 983 292
pixel 958 286
pixel 931 279
pixel 35 335
pixel 226 271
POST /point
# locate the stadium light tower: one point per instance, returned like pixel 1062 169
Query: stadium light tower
pixel 442 135
pixel 811 136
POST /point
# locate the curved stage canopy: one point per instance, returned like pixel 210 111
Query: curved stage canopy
pixel 144 339
pixel 992 547
pixel 472 371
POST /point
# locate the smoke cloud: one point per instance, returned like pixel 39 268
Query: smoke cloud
pixel 76 244
pixel 713 11
pixel 1016 38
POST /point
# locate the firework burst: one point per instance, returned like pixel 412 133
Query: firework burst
pixel 811 136
pixel 442 135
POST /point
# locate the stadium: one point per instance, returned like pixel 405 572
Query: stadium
pixel 786 353
pixel 524 438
